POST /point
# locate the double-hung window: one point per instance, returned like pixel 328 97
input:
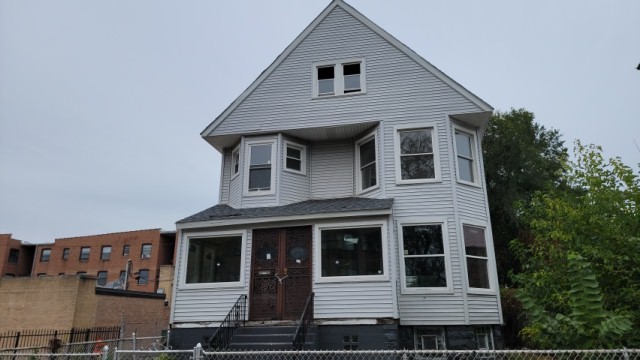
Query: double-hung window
pixel 466 156
pixel 416 155
pixel 295 158
pixel 424 256
pixel 366 164
pixel 260 176
pixel 84 253
pixel 145 251
pixel 341 77
pixel 106 253
pixel 475 248
pixel 45 255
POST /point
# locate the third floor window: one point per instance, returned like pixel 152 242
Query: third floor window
pixel 84 253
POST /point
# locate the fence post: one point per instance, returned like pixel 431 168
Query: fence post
pixel 168 341
pixel 197 352
pixel 105 352
pixel 133 341
pixel 625 353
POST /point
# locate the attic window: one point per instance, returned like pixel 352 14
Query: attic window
pixel 340 77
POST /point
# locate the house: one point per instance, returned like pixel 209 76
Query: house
pixel 351 169
pixel 145 253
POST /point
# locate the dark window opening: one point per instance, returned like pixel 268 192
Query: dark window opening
pixel 351 74
pixel 14 255
pixel 143 277
pixel 325 80
pixel 65 253
pixel 350 342
pixel 102 278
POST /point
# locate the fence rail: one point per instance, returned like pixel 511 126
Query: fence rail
pixel 45 337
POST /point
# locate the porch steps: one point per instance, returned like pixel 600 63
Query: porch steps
pixel 269 338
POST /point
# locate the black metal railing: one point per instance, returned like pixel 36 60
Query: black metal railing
pixel 306 319
pixel 235 318
pixel 46 338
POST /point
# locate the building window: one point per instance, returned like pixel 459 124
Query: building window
pixel 125 250
pixel 352 252
pixel 416 159
pixel 350 342
pixel 42 274
pixel 84 253
pixel 235 161
pixel 465 154
pixel 145 252
pixel 475 248
pixel 260 177
pixel 65 253
pixel 214 259
pixel 366 164
pixel 122 275
pixel 102 278
pixel 295 158
pixel 338 78
pixel 430 338
pixel 45 255
pixel 423 256
pixel 484 337
pixel 106 253
pixel 14 255
pixel 143 277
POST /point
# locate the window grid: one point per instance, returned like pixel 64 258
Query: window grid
pixel 416 160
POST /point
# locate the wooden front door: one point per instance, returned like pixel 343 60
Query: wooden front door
pixel 280 273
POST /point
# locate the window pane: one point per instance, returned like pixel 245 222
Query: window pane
pixel 478 273
pixel 45 255
pixel 260 154
pixel 213 260
pixel 106 253
pixel 417 167
pixel 294 153
pixel 369 176
pixel 325 72
pixel 422 240
pixel 463 144
pixel 125 250
pixel 367 152
pixel 14 255
pixel 260 179
pixel 65 253
pixel 350 252
pixel 235 160
pixel 351 83
pixel 143 277
pixel 102 278
pixel 293 164
pixel 146 250
pixel 474 243
pixel 84 253
pixel 465 169
pixel 416 141
pixel 425 272
pixel 351 69
pixel 325 86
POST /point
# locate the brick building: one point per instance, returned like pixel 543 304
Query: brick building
pixel 16 257
pixel 107 257
pixel 66 302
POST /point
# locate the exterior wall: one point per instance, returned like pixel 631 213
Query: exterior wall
pixel 117 262
pixel 25 257
pixel 370 337
pixel 294 187
pixel 332 170
pixel 65 302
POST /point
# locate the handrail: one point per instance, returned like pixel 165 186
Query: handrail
pixel 306 319
pixel 235 318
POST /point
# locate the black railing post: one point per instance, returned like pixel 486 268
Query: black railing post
pixel 235 318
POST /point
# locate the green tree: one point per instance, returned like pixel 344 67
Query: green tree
pixel 585 235
pixel 520 158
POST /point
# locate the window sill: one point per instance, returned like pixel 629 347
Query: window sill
pixel 212 286
pixel 333 96
pixel 418 181
pixel 479 291
pixel 426 291
pixel 470 184
pixel 352 279
pixel 258 193
pixel 367 190
pixel 295 172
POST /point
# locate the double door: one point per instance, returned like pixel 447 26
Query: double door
pixel 280 273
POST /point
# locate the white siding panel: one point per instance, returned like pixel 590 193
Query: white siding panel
pixel 294 187
pixel 396 85
pixel 332 170
pixel 483 309
pixel 235 191
pixel 471 203
pixel 431 310
pixel 225 177
pixel 353 300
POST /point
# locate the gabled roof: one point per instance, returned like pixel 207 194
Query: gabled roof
pixel 299 209
pixel 375 28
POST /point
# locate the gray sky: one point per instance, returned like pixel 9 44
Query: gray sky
pixel 102 102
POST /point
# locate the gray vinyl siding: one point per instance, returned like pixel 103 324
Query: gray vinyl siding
pixel 235 191
pixel 225 177
pixel 355 300
pixel 482 309
pixel 396 86
pixel 471 203
pixel 294 187
pixel 332 170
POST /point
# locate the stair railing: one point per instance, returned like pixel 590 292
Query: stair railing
pixel 306 319
pixel 235 318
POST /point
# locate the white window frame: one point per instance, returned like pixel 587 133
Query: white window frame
pixel 416 221
pixel 373 135
pixel 474 154
pixel 338 77
pixel 235 161
pixel 491 271
pixel 486 331
pixel 303 157
pixel 185 257
pixel 436 153
pixel 382 224
pixel 247 167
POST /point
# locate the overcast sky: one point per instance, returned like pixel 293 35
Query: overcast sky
pixel 102 102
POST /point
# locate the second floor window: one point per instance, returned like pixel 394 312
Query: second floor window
pixel 125 250
pixel 84 253
pixel 295 158
pixel 45 255
pixel 145 251
pixel 14 255
pixel 260 175
pixel 106 253
pixel 465 144
pixel 235 161
pixel 367 169
pixel 415 153
pixel 65 253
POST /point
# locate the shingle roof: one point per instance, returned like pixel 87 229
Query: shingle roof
pixel 222 211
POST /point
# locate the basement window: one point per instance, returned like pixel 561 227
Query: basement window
pixel 350 342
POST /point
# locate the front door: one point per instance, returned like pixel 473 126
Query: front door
pixel 280 273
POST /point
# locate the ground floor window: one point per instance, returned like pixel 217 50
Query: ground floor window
pixel 352 251
pixel 215 259
pixel 429 338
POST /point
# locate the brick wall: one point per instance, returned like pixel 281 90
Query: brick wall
pixel 25 257
pixel 143 314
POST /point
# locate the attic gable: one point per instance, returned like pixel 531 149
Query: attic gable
pixel 337 16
